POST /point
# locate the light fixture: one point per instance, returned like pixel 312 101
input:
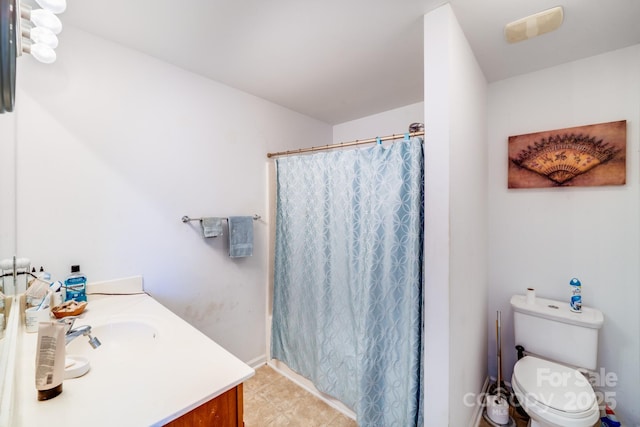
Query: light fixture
pixel 28 30
pixel 41 52
pixel 41 35
pixel 534 25
pixel 55 6
pixel 42 18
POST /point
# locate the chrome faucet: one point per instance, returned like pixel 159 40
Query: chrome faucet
pixel 72 334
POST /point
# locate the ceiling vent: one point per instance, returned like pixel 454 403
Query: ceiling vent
pixel 534 25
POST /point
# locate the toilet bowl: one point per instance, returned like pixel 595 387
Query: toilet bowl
pixel 554 395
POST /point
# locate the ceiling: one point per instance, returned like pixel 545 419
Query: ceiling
pixel 338 60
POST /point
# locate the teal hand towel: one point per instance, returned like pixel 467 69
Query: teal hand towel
pixel 240 236
pixel 211 227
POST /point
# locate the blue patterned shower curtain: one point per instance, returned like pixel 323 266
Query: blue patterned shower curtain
pixel 347 309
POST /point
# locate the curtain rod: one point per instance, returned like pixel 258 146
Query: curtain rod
pixel 343 144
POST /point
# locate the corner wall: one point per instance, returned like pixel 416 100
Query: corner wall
pixel 114 147
pixel 455 223
pixel 543 237
pixel 389 122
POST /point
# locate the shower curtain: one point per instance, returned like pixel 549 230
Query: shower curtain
pixel 347 308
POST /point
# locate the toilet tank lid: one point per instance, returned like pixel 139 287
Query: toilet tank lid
pixel 558 311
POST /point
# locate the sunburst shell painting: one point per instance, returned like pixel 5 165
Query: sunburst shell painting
pixel 580 156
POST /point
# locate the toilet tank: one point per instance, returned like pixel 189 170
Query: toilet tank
pixel 551 330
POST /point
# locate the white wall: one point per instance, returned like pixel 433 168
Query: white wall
pixel 387 123
pixel 455 222
pixel 468 217
pixel 542 238
pixel 114 147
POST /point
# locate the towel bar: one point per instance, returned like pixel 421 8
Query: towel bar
pixel 186 218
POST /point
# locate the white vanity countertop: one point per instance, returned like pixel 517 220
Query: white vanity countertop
pixel 180 371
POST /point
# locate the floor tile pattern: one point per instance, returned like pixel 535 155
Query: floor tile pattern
pixel 271 400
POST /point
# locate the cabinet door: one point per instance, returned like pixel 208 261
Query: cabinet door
pixel 223 411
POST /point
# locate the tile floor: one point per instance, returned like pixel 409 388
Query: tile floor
pixel 271 400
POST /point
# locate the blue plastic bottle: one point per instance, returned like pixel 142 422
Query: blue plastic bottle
pixel 75 285
pixel 576 295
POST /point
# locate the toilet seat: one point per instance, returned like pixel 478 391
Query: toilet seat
pixel 555 393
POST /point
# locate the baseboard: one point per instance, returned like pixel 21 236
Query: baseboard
pixel 257 362
pixel 480 407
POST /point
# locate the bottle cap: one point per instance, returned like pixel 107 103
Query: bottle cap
pixel 75 268
pixel 575 282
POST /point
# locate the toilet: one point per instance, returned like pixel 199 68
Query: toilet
pixel 558 342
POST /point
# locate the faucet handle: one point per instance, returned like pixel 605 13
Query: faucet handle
pixel 68 321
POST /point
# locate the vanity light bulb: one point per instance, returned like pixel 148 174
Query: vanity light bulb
pixel 55 6
pixel 43 53
pixel 44 18
pixel 43 36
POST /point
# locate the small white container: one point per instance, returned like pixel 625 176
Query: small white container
pixel 33 317
pixel 531 296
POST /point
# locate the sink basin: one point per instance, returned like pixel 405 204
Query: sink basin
pixel 119 340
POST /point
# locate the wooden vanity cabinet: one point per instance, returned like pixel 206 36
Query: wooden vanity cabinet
pixel 222 411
